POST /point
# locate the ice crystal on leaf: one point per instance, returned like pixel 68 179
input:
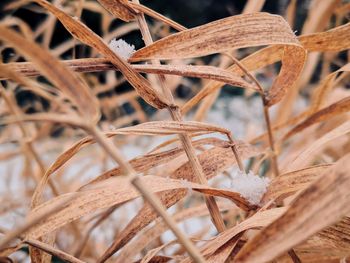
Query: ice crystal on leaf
pixel 122 48
pixel 250 186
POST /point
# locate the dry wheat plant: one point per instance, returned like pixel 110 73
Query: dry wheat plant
pixel 72 187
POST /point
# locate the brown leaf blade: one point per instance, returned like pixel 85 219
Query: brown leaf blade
pixel 292 64
pixel 307 154
pixel 324 114
pixel 118 8
pixel 292 182
pixel 102 64
pixel 222 35
pixel 335 39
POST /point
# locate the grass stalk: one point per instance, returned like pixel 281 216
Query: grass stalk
pixel 274 162
pixel 235 152
pixel 294 256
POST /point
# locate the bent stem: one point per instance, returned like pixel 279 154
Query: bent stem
pixel 235 152
pixel 150 197
pixel 266 113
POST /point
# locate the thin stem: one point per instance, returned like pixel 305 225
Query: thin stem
pixel 271 140
pixel 145 10
pixel 77 14
pixel 266 113
pixel 294 256
pixel 235 152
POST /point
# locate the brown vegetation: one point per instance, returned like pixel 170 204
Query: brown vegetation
pixel 303 215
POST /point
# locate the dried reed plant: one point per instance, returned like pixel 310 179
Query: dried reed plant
pixel 289 194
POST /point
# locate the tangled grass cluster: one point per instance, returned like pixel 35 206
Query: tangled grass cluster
pixel 69 193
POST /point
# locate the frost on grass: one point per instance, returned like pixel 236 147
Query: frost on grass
pixel 121 48
pixel 250 186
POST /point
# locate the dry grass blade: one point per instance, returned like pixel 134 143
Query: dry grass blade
pixel 170 127
pixel 332 40
pixel 102 64
pixel 119 8
pixel 71 120
pixel 150 12
pixel 205 72
pixel 234 32
pixel 87 36
pixel 332 240
pixel 127 11
pixel 306 155
pixel 153 252
pixel 109 193
pixel 292 64
pixel 322 91
pixel 71 85
pixel 325 114
pixel 292 182
pixel 321 204
pixel 223 253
